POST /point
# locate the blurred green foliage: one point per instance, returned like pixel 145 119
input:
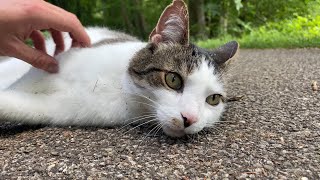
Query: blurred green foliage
pixel 255 23
pixel 296 32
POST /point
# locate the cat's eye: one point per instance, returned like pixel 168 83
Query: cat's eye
pixel 173 80
pixel 214 99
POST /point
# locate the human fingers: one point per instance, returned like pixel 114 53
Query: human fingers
pixel 74 42
pixel 33 56
pixel 58 40
pixel 38 41
pixel 61 20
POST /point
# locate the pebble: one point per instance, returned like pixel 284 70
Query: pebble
pixel 268 167
pixel 243 176
pixel 54 153
pixel 269 163
pixel 234 146
pixel 314 86
pixel 119 176
pixel 287 164
pixel 50 167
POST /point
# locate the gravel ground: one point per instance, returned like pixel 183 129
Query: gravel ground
pixel 273 132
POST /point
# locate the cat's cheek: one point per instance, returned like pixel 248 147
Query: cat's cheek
pixel 212 116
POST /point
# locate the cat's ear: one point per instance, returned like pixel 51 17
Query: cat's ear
pixel 173 25
pixel 225 52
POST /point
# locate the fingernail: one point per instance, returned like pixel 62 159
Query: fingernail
pixel 53 69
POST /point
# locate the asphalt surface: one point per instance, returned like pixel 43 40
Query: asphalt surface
pixel 273 132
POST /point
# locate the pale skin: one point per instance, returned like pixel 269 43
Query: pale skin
pixel 21 19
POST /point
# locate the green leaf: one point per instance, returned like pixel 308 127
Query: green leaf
pixel 238 4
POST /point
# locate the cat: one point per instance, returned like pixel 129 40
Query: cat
pixel 121 80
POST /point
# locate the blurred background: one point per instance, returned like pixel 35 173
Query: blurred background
pixel 254 23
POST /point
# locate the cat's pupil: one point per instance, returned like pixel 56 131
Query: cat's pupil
pixel 173 79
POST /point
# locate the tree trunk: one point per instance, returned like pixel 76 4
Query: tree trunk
pixel 124 12
pixel 197 16
pixel 224 17
pixel 140 19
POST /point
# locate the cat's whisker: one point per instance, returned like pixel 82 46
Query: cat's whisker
pixel 137 117
pixel 154 106
pixel 196 137
pixel 137 120
pixel 148 98
pixel 146 104
pixel 192 137
pixel 142 115
pixel 139 125
pixel 153 101
pixel 154 128
pixel 159 128
pixel 141 95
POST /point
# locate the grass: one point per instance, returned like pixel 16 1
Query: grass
pixel 295 33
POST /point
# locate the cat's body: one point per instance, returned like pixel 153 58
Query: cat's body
pixel 121 80
pixel 88 90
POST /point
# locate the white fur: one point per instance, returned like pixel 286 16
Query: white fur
pixel 94 88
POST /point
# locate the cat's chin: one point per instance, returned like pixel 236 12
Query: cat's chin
pixel 172 132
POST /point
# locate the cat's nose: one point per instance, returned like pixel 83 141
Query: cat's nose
pixel 188 119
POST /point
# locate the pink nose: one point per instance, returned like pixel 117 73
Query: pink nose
pixel 188 119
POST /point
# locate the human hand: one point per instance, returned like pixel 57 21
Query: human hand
pixel 20 20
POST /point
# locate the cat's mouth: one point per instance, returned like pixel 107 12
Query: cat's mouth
pixel 173 132
pixel 177 128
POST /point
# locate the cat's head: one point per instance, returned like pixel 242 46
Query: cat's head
pixel 182 80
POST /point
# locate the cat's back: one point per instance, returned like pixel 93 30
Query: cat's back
pixel 107 60
pixel 103 59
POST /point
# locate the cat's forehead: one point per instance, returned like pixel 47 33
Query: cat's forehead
pixel 195 65
pixel 184 59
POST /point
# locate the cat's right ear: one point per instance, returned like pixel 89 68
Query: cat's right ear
pixel 173 25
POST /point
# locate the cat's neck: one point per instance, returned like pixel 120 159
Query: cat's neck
pixel 128 86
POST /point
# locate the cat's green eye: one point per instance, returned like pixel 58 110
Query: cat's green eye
pixel 173 80
pixel 214 99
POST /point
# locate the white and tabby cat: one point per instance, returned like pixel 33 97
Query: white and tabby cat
pixel 120 80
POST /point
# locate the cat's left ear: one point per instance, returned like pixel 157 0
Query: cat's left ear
pixel 225 52
pixel 173 25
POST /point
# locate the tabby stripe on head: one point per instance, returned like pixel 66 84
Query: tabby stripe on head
pixel 147 71
pixel 148 77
